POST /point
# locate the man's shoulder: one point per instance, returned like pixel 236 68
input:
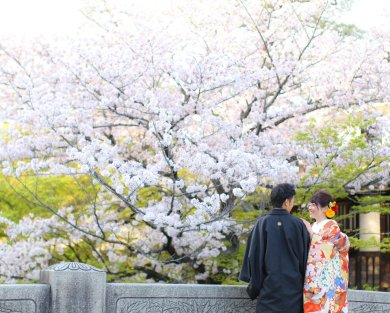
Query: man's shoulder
pixel 291 218
pixel 261 219
pixel 295 220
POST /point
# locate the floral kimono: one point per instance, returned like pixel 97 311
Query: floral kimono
pixel 326 279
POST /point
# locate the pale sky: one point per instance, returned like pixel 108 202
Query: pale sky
pixel 25 17
pixel 369 13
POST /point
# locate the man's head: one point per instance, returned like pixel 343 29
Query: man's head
pixel 282 196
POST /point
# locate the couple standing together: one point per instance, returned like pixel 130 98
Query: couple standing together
pixel 292 266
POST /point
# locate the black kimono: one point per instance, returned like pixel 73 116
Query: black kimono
pixel 275 262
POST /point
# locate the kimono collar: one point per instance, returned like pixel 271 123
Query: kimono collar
pixel 278 211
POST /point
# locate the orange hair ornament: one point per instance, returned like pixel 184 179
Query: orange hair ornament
pixel 332 209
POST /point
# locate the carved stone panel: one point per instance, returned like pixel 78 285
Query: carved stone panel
pixel 31 298
pixel 184 305
pixel 356 307
pixel 18 306
pixel 368 301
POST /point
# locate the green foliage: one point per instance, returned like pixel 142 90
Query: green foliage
pixel 344 139
pixel 357 243
pixel 385 245
pixel 228 264
pixel 368 287
pixel 372 203
pixel 244 216
pixel 125 214
pixel 252 207
pixel 147 194
pixel 56 191
pixel 79 251
pixel 348 30
pixel 185 174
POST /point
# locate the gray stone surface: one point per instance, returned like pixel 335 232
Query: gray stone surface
pixel 368 301
pixel 165 298
pixel 24 298
pixel 76 288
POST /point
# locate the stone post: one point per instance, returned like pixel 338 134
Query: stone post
pixel 76 288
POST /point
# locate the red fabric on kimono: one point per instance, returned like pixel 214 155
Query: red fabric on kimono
pixel 326 279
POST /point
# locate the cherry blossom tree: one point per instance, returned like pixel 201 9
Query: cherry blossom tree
pixel 167 115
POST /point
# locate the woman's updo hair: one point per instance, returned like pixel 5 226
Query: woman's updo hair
pixel 322 198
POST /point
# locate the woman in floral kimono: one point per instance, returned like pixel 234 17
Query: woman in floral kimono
pixel 326 279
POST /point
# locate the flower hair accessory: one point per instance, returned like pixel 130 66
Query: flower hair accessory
pixel 332 209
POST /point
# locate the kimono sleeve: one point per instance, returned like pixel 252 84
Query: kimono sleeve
pixel 336 239
pixel 305 250
pixel 253 263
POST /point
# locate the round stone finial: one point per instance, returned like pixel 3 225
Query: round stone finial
pixel 73 266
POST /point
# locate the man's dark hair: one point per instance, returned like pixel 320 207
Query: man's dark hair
pixel 280 193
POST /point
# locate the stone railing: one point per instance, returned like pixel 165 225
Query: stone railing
pixel 80 288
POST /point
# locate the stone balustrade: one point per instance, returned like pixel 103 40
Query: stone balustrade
pixel 80 288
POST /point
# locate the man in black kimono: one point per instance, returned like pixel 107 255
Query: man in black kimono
pixel 276 256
